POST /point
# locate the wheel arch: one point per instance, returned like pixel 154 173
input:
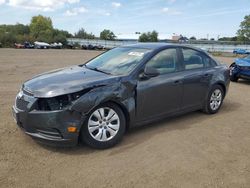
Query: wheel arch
pixel 222 85
pixel 123 108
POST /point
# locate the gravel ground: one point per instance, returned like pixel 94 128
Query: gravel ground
pixel 193 150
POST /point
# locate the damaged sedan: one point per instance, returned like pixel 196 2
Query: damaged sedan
pixel 124 87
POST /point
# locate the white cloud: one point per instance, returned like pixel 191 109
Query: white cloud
pixel 169 11
pixel 107 14
pixel 2 2
pixel 116 4
pixel 43 5
pixel 76 11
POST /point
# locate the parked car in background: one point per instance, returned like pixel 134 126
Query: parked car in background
pixel 241 51
pixel 28 45
pixel 92 47
pixel 24 45
pixel 121 88
pixel 1 45
pixel 18 45
pixel 56 45
pixel 99 47
pixel 240 69
pixel 41 45
pixel 88 47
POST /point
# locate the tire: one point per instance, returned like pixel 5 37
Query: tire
pixel 233 77
pixel 214 100
pixel 104 127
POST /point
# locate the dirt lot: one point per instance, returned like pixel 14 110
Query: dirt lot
pixel 194 150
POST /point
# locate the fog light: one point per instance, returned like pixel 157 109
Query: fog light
pixel 72 129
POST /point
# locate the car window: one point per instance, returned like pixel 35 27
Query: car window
pixel 165 61
pixel 194 59
pixel 118 61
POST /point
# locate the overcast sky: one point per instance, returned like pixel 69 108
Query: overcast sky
pixel 200 18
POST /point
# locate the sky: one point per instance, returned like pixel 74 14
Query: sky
pixel 199 18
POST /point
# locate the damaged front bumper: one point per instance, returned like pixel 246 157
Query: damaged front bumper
pixel 48 127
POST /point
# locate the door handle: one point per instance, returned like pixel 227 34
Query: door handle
pixel 206 75
pixel 177 82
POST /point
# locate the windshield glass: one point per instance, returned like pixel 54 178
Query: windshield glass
pixel 247 57
pixel 118 61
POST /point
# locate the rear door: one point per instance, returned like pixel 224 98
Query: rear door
pixel 196 77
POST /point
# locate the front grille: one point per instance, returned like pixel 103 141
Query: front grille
pixel 21 104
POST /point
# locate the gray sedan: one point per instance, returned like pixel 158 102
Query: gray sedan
pixel 122 88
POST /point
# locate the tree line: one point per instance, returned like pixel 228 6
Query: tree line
pixel 41 29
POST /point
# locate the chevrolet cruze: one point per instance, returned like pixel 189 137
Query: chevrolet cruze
pixel 124 87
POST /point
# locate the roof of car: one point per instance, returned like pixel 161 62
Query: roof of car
pixel 155 45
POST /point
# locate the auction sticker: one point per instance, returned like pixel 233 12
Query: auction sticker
pixel 139 54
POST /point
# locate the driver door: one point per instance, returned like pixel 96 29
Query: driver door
pixel 162 94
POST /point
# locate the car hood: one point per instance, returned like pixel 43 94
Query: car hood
pixel 65 81
pixel 242 62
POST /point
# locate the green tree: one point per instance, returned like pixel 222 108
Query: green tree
pixel 107 35
pixel 149 37
pixel 193 38
pixel 244 31
pixel 83 34
pixel 228 39
pixel 41 28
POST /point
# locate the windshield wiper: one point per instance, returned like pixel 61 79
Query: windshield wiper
pixel 96 69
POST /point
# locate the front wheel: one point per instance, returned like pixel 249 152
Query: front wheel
pixel 214 100
pixel 104 126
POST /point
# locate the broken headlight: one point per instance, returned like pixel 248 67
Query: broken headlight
pixel 59 102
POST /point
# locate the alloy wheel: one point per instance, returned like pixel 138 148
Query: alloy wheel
pixel 103 124
pixel 216 99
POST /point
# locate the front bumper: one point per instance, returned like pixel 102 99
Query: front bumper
pixel 245 74
pixel 241 72
pixel 50 127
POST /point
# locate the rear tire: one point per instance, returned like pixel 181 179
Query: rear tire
pixel 104 126
pixel 214 100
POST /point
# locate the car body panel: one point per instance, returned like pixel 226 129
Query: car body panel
pixel 66 80
pixel 163 92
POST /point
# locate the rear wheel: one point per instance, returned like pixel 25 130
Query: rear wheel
pixel 104 126
pixel 233 77
pixel 214 100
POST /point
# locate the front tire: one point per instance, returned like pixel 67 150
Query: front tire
pixel 104 126
pixel 214 100
pixel 233 77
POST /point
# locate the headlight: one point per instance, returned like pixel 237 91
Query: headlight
pixel 59 102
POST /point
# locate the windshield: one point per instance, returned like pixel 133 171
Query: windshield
pixel 118 61
pixel 247 57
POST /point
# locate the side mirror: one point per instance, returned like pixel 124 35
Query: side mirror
pixel 149 72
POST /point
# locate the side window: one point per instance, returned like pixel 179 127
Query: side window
pixel 194 59
pixel 208 62
pixel 165 61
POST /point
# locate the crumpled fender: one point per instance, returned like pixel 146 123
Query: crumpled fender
pixel 121 93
